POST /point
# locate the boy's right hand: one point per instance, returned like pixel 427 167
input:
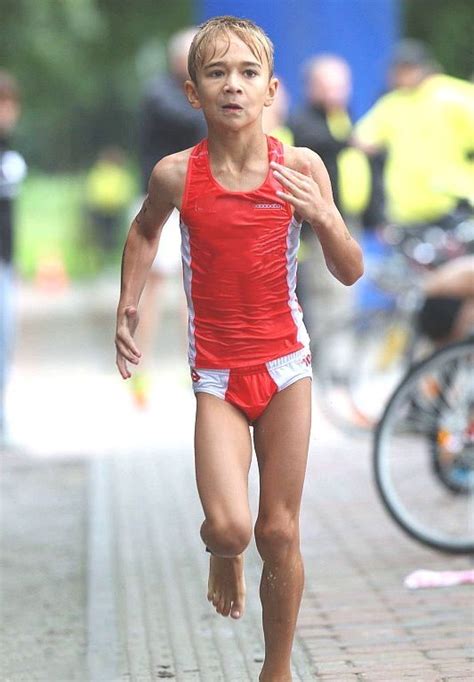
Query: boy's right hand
pixel 127 321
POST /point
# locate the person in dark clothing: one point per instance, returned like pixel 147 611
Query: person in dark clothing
pixel 12 172
pixel 323 124
pixel 167 123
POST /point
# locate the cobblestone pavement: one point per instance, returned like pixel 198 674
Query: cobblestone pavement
pixel 357 622
pixel 104 574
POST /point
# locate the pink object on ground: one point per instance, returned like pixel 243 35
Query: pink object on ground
pixel 424 578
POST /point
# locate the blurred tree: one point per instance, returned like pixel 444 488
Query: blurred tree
pixel 81 65
pixel 447 28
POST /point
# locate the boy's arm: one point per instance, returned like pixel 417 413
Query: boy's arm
pixel 138 255
pixel 309 191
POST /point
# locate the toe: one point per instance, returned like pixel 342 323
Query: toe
pixel 221 605
pixel 238 607
pixel 226 609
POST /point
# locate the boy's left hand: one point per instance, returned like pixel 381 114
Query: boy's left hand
pixel 303 193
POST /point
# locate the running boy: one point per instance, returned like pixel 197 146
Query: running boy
pixel 242 197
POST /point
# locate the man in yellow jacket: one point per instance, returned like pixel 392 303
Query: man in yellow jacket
pixel 426 126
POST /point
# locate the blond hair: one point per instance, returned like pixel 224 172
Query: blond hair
pixel 248 32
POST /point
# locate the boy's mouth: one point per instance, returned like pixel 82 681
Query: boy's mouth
pixel 235 107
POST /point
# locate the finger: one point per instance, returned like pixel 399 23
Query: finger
pixel 305 181
pixel 122 367
pixel 125 338
pixel 289 198
pixel 289 184
pixel 131 346
pixel 127 322
pixel 289 172
pixel 124 350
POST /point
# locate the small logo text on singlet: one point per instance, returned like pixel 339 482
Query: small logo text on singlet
pixel 307 360
pixel 268 206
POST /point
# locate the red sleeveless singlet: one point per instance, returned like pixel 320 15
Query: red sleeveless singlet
pixel 238 253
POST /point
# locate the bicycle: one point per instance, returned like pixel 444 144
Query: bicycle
pixel 423 453
pixel 359 361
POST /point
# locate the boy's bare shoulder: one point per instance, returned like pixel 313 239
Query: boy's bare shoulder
pixel 169 174
pixel 298 158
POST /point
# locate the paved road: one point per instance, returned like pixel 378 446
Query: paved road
pixel 104 574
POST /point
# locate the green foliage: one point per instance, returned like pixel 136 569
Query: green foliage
pixel 52 224
pixel 48 222
pixel 447 27
pixel 80 64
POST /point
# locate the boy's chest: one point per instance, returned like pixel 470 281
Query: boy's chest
pixel 239 210
pixel 245 181
pixel 238 222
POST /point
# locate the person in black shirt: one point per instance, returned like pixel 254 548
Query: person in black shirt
pixel 167 123
pixel 12 172
pixel 323 124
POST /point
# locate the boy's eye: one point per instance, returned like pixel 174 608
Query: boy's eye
pixel 215 73
pixel 250 72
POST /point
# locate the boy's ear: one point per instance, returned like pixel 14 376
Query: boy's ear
pixel 192 94
pixel 271 92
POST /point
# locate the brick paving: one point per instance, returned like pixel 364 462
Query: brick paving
pixel 104 574
pixel 357 621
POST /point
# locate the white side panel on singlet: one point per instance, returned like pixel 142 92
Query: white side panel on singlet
pixel 292 243
pixel 187 282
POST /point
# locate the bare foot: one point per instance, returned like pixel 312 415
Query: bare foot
pixel 226 585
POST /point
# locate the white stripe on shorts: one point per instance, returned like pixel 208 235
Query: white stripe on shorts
pixel 290 368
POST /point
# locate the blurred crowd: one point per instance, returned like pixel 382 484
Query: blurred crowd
pixel 409 160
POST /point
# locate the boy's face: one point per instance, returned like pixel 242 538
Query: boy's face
pixel 232 85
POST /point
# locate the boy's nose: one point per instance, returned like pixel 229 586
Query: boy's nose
pixel 232 84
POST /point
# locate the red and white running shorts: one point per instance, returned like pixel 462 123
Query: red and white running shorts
pixel 250 389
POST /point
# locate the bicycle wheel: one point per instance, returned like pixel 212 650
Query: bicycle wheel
pixel 424 451
pixel 358 363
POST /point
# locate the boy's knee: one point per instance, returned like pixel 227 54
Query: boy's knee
pixel 228 538
pixel 274 537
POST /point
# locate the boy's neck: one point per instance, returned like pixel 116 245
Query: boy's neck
pixel 236 148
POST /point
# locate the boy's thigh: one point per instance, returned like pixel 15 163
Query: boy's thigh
pixel 281 438
pixel 223 454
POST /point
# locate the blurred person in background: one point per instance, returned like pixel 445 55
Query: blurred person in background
pixel 447 313
pixel 167 125
pixel 275 117
pixel 324 125
pixel 12 172
pixel 426 126
pixel 275 121
pixel 109 190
